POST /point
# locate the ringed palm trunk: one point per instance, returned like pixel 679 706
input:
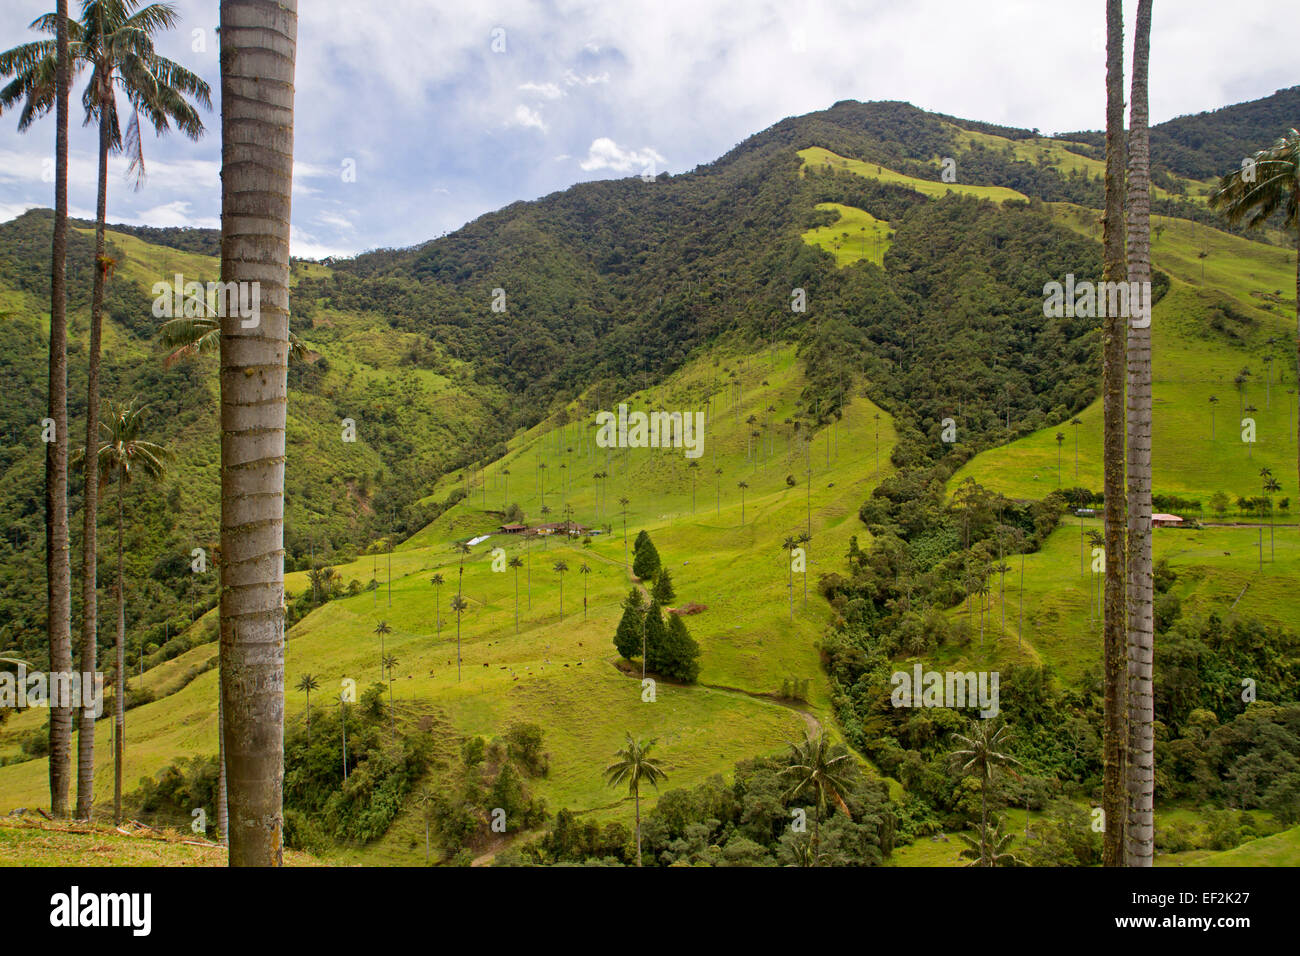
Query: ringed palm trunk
pixel 258 42
pixel 90 507
pixel 1138 828
pixel 58 569
pixel 636 794
pixel 119 691
pixel 1114 636
pixel 222 818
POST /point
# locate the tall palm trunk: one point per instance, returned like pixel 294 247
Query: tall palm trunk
pixel 90 506
pixel 636 794
pixel 119 679
pixel 1138 829
pixel 258 42
pixel 222 820
pixel 1114 643
pixel 58 569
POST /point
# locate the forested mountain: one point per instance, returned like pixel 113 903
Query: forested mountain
pixel 442 351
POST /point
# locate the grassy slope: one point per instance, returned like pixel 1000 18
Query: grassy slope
pixel 560 673
pixel 29 841
pixel 817 156
pixel 854 236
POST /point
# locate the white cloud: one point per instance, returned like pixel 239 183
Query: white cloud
pixel 175 213
pixel 526 118
pixel 547 91
pixel 607 154
pixel 586 79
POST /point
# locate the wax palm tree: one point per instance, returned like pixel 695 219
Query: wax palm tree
pixel 458 604
pixel 982 751
pixel 42 80
pixel 1001 569
pixel 308 683
pixel 624 502
pixel 559 568
pixel 803 539
pixel 1060 440
pixel 1114 339
pixel 505 487
pixel 381 629
pixel 1271 487
pixel 982 592
pixel 461 548
pixel 584 569
pixel 742 485
pixel 122 454
pixel 1268 184
pixel 633 765
pixel 817 770
pixel 437 583
pixel 787 547
pixel 993 849
pixel 258 43
pixel 115 39
pixel 718 475
pixel 1214 400
pixel 343 724
pixel 516 562
pixel 389 662
pixel 1074 425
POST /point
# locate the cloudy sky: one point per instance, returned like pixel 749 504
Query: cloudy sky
pixel 416 116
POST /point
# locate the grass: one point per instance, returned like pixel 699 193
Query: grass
pixel 856 235
pixel 817 156
pixel 560 673
pixel 28 841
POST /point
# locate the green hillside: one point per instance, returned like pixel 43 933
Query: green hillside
pixel 832 323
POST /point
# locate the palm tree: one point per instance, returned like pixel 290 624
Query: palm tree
pixel 742 485
pixel 116 40
pixel 718 473
pixel 1214 400
pixel 804 538
pixel 505 487
pixel 437 583
pixel 982 752
pixel 458 604
pixel 632 765
pixel 516 562
pixel 308 683
pixel 559 568
pixel 1074 425
pixel 343 723
pixel 825 775
pixel 381 629
pixel 624 502
pixel 694 469
pixel 258 43
pixel 48 79
pixel 1060 440
pixel 1268 184
pixel 584 569
pixel 461 548
pixel 1139 823
pixel 1271 487
pixel 388 663
pixel 121 455
pixel 787 547
pixel 992 849
pixel 1114 641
